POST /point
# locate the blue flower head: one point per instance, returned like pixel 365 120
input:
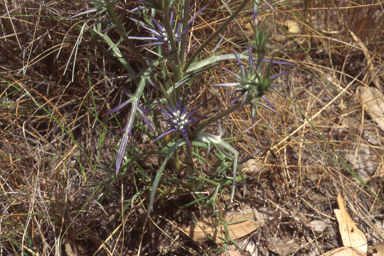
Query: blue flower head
pixel 159 35
pixel 250 85
pixel 178 119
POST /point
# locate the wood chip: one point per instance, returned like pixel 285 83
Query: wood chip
pixel 212 226
pixel 318 225
pixel 293 26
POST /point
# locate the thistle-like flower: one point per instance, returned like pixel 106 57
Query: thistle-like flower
pixel 160 35
pixel 250 85
pixel 178 119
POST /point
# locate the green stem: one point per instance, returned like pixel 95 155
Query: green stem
pixel 121 31
pixel 200 178
pixel 185 18
pixel 176 70
pixel 214 119
pixel 163 91
pixel 190 160
pixel 177 74
pixel 168 29
pixel 116 51
pixel 213 36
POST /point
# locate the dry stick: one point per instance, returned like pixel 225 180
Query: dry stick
pixel 321 110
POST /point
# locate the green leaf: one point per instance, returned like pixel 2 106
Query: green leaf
pixel 216 140
pixel 192 74
pixel 212 60
pixel 173 147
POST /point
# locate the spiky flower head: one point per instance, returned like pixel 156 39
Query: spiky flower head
pixel 178 119
pixel 160 35
pixel 250 85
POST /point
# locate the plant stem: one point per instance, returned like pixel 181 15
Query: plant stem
pixel 214 119
pixel 163 91
pixel 177 74
pixel 176 70
pixel 168 29
pixel 185 17
pixel 190 160
pixel 121 31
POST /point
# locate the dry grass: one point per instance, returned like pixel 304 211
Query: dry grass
pixel 57 81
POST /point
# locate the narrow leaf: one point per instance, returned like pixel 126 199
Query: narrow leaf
pixel 160 171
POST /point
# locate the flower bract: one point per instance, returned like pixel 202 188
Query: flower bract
pixel 250 86
pixel 178 119
pixel 160 36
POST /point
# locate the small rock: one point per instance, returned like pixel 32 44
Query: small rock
pixel 318 225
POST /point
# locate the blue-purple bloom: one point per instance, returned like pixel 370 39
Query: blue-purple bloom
pixel 160 35
pixel 178 119
pixel 250 85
